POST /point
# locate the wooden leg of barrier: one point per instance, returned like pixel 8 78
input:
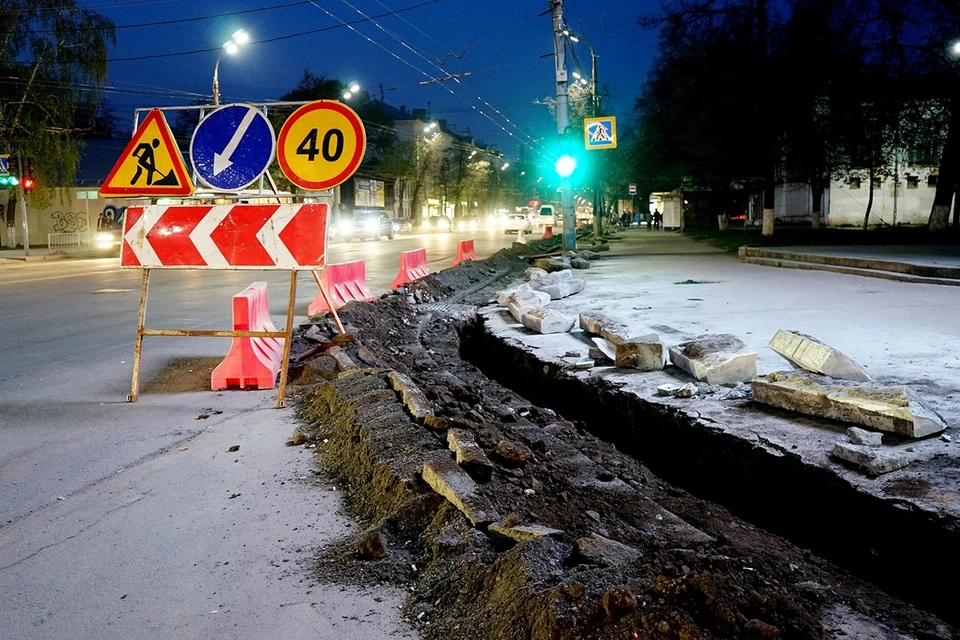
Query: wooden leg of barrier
pixel 284 365
pixel 326 298
pixel 138 344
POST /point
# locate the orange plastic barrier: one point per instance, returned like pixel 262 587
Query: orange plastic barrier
pixel 345 282
pixel 547 232
pixel 465 251
pixel 251 362
pixel 413 265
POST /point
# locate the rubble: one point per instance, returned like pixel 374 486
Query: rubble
pixel 414 399
pixel 534 273
pixel 668 389
pixel 450 481
pixel 597 549
pixel 687 391
pixel 550 264
pixel 580 263
pixel 522 301
pixel 892 409
pixel 870 459
pixel 716 359
pixel 806 352
pixel 512 454
pixel 638 348
pixel 547 321
pixel 469 455
pixel 519 533
pixel 864 437
pixel 563 288
pixel 620 601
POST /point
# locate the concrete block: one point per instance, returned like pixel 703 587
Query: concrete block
pixel 563 289
pixel 596 549
pixel 414 399
pixel 580 263
pixel 716 359
pixel 521 301
pixel 606 347
pixel 547 321
pixel 469 455
pixel 645 356
pixel 864 437
pixel 870 459
pixel 446 478
pixel 806 352
pixel 550 264
pixel 615 331
pixel 504 296
pixel 534 273
pixel 523 532
pixel 892 409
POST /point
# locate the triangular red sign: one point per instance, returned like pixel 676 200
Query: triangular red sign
pixel 151 164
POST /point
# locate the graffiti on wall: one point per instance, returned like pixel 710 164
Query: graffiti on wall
pixel 69 222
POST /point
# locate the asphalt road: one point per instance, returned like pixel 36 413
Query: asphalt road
pixel 116 518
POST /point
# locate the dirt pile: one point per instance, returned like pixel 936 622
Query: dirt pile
pixel 631 557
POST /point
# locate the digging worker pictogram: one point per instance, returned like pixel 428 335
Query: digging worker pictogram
pixel 147 162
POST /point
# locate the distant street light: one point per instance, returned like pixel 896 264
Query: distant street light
pixel 430 127
pixel 351 91
pixel 956 48
pixel 231 46
pixel 504 167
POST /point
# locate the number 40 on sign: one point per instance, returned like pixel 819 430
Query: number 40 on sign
pixel 321 145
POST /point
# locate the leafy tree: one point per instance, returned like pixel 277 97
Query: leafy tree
pixel 52 62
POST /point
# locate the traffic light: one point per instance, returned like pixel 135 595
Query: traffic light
pixel 27 180
pixel 570 157
pixel 8 181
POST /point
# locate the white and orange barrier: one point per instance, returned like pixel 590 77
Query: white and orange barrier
pixel 465 251
pixel 413 265
pixel 253 361
pixel 345 282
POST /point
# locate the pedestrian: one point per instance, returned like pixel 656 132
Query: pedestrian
pixel 657 219
pixel 649 221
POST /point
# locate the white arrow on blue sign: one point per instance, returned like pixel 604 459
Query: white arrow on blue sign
pixel 4 164
pixel 232 147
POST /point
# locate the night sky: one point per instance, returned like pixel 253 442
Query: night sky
pixel 500 42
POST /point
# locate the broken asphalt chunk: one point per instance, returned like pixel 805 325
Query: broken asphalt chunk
pixel 414 399
pixel 870 459
pixel 453 483
pixel 716 359
pixel 806 352
pixel 469 455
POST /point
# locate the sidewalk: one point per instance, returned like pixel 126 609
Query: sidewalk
pixel 774 465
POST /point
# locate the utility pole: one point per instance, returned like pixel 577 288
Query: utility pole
pixel 597 213
pixel 563 121
pixel 23 208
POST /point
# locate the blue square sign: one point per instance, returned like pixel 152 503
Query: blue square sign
pixel 600 133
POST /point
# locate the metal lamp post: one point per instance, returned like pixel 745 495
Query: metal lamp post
pixel 594 112
pixel 231 46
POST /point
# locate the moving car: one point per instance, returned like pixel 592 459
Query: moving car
pixel 364 224
pixel 468 223
pixel 439 223
pixel 547 216
pixel 517 222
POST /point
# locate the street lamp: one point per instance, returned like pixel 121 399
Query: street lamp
pixel 956 48
pixel 351 91
pixel 595 111
pixel 231 46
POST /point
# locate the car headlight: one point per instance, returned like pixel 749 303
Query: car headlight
pixel 396 227
pixel 345 227
pixel 473 225
pixel 461 225
pixel 371 225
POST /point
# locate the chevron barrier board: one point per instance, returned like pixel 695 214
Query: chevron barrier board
pixel 241 236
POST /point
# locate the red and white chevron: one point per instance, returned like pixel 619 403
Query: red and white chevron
pixel 241 236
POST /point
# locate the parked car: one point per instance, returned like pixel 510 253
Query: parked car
pixel 547 216
pixel 517 222
pixel 364 224
pixel 439 223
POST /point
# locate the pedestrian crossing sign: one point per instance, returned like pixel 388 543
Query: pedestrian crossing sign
pixel 151 164
pixel 600 133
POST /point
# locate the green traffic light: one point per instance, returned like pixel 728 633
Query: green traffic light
pixel 566 165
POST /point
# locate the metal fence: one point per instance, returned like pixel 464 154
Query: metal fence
pixel 69 242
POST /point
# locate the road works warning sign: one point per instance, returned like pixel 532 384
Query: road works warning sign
pixel 151 165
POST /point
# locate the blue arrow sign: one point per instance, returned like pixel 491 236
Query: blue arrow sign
pixel 232 146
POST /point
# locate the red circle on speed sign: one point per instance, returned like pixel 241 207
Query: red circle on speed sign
pixel 321 144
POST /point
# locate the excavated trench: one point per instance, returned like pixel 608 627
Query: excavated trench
pixel 907 552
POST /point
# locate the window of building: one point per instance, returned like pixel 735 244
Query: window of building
pixel 932 180
pixel 913 182
pixel 854 183
pixel 876 183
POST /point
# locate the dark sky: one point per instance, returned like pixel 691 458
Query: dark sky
pixel 500 42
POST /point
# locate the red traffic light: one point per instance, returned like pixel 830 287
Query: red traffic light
pixel 29 183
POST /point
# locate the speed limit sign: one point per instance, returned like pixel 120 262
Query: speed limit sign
pixel 321 144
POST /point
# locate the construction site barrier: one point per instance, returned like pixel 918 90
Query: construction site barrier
pixel 413 265
pixel 465 251
pixel 345 282
pixel 254 361
pixel 547 232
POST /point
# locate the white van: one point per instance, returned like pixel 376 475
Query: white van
pixel 547 216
